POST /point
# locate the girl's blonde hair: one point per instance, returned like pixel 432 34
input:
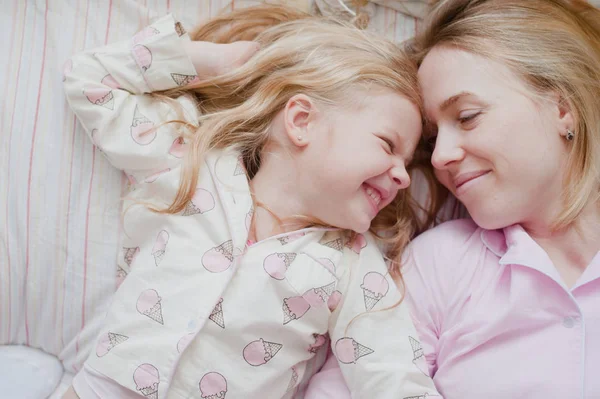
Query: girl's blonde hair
pixel 554 47
pixel 321 58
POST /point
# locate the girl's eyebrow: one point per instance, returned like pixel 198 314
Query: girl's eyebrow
pixel 452 100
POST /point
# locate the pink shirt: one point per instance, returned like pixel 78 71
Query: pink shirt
pixel 495 319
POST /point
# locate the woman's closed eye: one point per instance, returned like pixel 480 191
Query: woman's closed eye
pixel 468 118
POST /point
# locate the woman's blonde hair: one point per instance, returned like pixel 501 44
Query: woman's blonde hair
pixel 554 47
pixel 321 58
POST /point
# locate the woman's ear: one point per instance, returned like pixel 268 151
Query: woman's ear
pixel 565 118
pixel 299 112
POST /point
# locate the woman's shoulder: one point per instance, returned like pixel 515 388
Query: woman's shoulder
pixel 449 242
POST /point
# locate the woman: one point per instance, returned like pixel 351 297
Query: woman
pixel 507 305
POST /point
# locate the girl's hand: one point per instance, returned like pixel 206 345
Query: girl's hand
pixel 212 59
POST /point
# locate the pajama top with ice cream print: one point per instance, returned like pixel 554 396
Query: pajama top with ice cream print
pixel 202 313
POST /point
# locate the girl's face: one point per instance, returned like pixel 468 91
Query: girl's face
pixel 499 151
pixel 355 160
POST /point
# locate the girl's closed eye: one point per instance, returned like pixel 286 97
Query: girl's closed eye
pixel 389 145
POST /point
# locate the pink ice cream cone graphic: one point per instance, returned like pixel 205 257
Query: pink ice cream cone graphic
pixel 202 201
pixel 142 56
pixel 290 238
pixel 320 295
pixel 177 148
pixel 129 254
pixel 418 356
pixel 293 380
pixel 357 243
pixel 108 341
pixel 347 350
pixel 67 68
pixel 294 308
pixel 100 96
pixel 149 305
pixel 334 300
pixel 328 264
pixel 185 80
pixel 160 246
pixel 109 81
pixel 145 33
pixel 277 264
pixel 146 380
pixel 239 167
pixel 218 259
pixel 213 386
pixel 152 178
pixel 259 352
pixel 375 287
pixel 179 29
pixel 121 274
pixel 184 341
pixel 217 314
pixel 142 128
pixel 320 340
pixel 336 244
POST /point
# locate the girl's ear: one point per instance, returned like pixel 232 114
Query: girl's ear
pixel 299 112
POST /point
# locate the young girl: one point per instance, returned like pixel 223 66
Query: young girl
pixel 246 233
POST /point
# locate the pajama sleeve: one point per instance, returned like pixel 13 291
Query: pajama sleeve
pixel 108 89
pixel 372 334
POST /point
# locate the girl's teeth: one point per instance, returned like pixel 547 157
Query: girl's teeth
pixel 373 194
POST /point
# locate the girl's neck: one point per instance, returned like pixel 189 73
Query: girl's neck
pixel 276 204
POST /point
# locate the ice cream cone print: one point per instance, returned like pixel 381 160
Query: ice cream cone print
pixel 142 129
pixel 177 148
pixel 357 243
pixel 213 386
pixel 145 33
pixel 325 291
pixel 294 308
pixel 336 244
pixel 142 56
pixel 202 201
pixel 100 96
pixel 160 246
pixel 121 274
pixel 217 314
pixel 129 254
pixel 146 380
pixel 293 380
pixel 108 341
pixel 259 352
pixel 67 68
pixel 148 304
pixel 179 29
pixel 418 356
pixel 334 300
pixel 184 341
pixel 347 350
pixel 218 259
pixel 375 287
pixel 239 167
pixel 277 264
pixel 109 81
pixel 290 238
pixel 184 80
pixel 320 340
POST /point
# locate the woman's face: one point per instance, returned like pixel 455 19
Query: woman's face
pixel 501 152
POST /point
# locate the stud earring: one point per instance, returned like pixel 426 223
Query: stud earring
pixel 570 135
pixel 300 138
